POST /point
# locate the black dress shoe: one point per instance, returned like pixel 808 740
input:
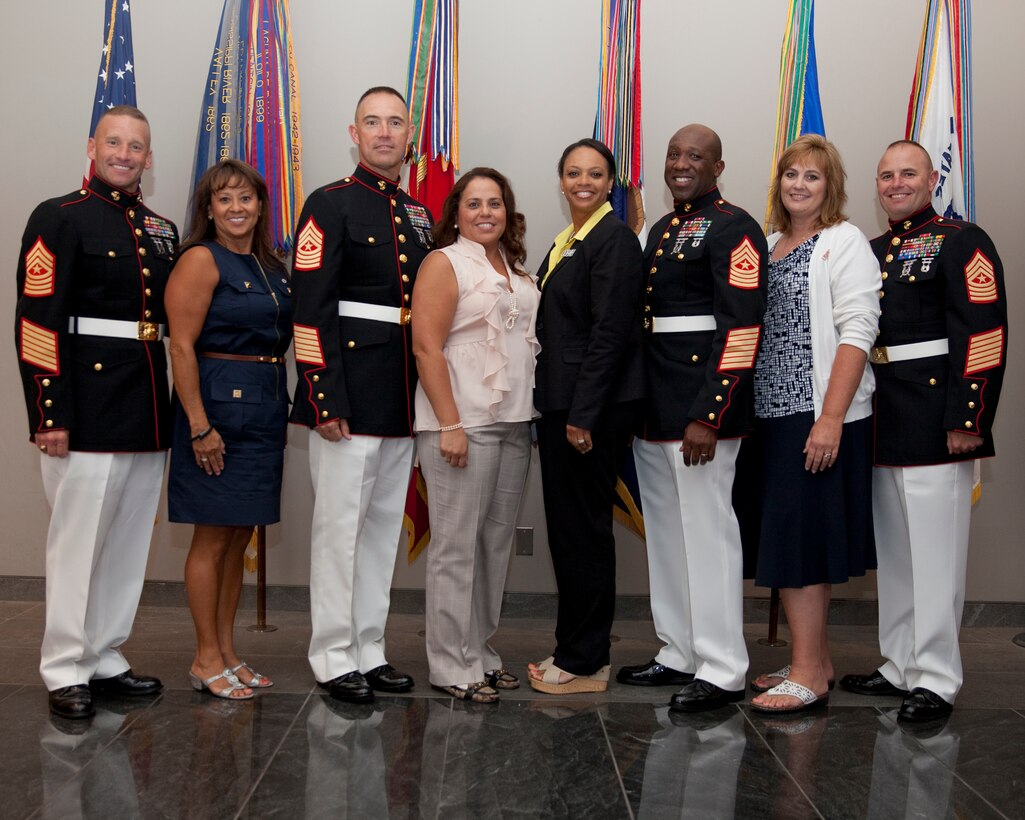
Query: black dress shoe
pixel 349 688
pixel 386 678
pixel 652 673
pixel 127 683
pixel 702 696
pixel 921 705
pixel 873 684
pixel 72 702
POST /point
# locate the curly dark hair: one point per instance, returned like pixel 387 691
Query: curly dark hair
pixel 225 174
pixel 515 225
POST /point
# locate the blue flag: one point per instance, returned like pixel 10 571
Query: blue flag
pixel 115 84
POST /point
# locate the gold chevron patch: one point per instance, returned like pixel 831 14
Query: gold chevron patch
pixel 981 279
pixel 309 248
pixel 744 266
pixel 308 349
pixel 741 348
pixel 985 351
pixel 39 346
pixel 40 264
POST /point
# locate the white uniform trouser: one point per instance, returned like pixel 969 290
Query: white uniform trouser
pixel 695 561
pixel 103 506
pixel 922 517
pixel 360 487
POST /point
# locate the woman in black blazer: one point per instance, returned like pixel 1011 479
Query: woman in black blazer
pixel 588 386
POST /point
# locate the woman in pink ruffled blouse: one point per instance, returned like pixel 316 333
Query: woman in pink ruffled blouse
pixel 474 307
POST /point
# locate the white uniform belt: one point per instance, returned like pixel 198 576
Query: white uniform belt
pixel 915 350
pixel 116 328
pixel 682 324
pixel 376 313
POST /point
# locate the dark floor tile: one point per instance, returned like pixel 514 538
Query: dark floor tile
pixel 8 689
pixel 20 665
pixel 707 765
pixel 21 609
pixel 855 763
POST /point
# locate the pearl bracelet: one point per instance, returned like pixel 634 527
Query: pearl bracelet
pixel 457 426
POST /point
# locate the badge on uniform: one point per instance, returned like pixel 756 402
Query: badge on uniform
pixel 421 222
pixel 693 231
pixel 924 247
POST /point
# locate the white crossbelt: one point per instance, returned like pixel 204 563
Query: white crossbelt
pixel 377 313
pixel 116 328
pixel 915 350
pixel 682 324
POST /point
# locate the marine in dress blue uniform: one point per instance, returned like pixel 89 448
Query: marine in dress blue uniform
pixel 88 329
pixel 705 297
pixel 360 243
pixel 939 366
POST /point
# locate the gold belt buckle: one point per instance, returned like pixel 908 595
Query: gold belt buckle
pixel 148 332
pixel 880 356
pixel 405 316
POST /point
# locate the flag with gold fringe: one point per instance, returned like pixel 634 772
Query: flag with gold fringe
pixel 940 115
pixel 115 82
pixel 432 91
pixel 250 107
pixel 618 125
pixel 618 121
pixel 799 109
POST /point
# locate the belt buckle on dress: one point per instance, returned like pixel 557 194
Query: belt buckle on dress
pixel 148 332
pixel 405 316
pixel 880 356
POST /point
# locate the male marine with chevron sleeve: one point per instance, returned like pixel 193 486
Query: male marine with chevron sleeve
pixel 939 365
pixel 704 302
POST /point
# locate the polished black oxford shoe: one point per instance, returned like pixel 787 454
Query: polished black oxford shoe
pixel 349 688
pixel 921 705
pixel 702 696
pixel 653 673
pixel 72 702
pixel 872 684
pixel 127 684
pixel 386 678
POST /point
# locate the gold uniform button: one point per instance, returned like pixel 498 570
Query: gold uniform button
pixel 711 416
pixel 46 382
pixel 323 414
pixel 679 256
pixel 347 179
pixel 320 396
pixel 49 403
pixel 658 252
pixel 371 240
pixel 98 367
pixel 675 222
pixel 145 272
pixel 649 289
pixel 398 220
pixel 131 214
pixel 725 382
pixel 350 344
pixel 911 278
pixel 138 231
pixel 718 398
pixel 885 276
pixel 971 405
pixel 405 278
pixel 647 308
pixel 405 297
pixel 49 422
pixel 394 203
pixel 402 237
pixel 932 382
pixel 111 254
pixel 975 386
pixel 895 241
pixel 142 251
pixel 889 257
pixel 403 258
pixel 881 294
pixel 653 270
pixel 968 425
pixel 316 378
pixel 695 358
pixel 719 201
pixel 939 219
pixel 83 192
pixel 665 235
pixel 147 313
pixel 148 292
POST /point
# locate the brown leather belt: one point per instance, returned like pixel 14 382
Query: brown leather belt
pixel 238 357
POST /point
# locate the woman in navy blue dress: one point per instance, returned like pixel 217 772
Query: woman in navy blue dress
pixel 228 306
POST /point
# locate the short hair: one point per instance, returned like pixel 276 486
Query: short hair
pixel 122 111
pixel 223 175
pixel 912 144
pixel 379 89
pixel 515 224
pixel 596 145
pixel 823 154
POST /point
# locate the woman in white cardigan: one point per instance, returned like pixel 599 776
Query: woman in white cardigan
pixel 813 400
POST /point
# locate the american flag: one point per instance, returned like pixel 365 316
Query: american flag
pixel 115 84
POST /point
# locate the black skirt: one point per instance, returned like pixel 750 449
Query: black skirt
pixel 814 528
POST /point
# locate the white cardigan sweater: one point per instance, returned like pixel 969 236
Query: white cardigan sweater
pixel 843 297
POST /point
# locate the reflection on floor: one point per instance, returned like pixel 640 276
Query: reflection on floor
pixel 294 752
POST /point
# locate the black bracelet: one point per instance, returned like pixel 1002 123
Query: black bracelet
pixel 202 435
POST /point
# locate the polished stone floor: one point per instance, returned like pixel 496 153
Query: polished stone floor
pixel 292 752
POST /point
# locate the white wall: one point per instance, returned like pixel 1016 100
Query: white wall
pixel 528 86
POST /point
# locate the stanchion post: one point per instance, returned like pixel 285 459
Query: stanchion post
pixel 773 639
pixel 261 624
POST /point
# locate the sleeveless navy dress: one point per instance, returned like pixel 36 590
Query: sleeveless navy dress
pixel 246 402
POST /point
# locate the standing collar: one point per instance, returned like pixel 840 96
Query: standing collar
pixel 698 203
pixel 115 196
pixel 913 222
pixel 375 182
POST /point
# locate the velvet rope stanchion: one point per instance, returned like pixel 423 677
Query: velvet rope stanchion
pixel 261 624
